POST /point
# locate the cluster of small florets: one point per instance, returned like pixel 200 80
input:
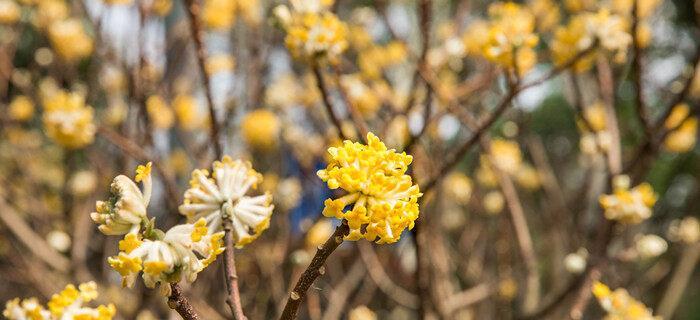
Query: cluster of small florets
pixel 619 305
pixel 383 197
pixel 683 129
pixel 68 120
pixel 313 32
pixel 164 257
pixel 223 195
pixel 585 30
pixel 68 304
pixel 507 38
pixel 629 206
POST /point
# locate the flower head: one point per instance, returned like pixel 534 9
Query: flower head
pixel 261 129
pixel 620 305
pixel 384 196
pixel 223 196
pixel 125 210
pixel 313 34
pixel 70 40
pixel 68 304
pixel 183 251
pixel 630 206
pixel 68 121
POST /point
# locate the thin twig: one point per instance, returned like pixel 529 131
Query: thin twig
pixel 321 84
pixel 178 302
pixel 637 71
pixel 382 279
pixel 193 10
pixel 313 271
pixel 233 299
pixel 679 281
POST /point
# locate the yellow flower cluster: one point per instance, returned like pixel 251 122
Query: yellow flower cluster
pixel 68 304
pixel 384 196
pixel 160 114
pixel 21 108
pixel 261 129
pixel 374 59
pixel 125 211
pixel 221 14
pixel 608 30
pixel 223 196
pixel 684 128
pixel 595 138
pixel 629 206
pixel 312 31
pixel 619 305
pixel 361 96
pixel 182 252
pixel 188 113
pixel 70 40
pixel 10 12
pixel 508 38
pixel 68 121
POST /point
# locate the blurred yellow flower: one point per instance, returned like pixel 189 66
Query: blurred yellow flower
pixel 220 63
pixel 21 109
pixel 458 187
pixel 319 233
pixel 384 196
pixel 686 230
pixel 619 305
pixel 494 202
pixel 629 206
pixel 315 35
pixel 261 129
pixel 684 138
pixel 360 95
pixel 506 155
pixel 69 39
pixel 10 12
pixel 68 121
pixel 188 113
pixel 160 114
pixel 219 14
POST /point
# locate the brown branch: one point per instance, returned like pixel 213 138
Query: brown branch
pixel 456 157
pixel 382 279
pixel 193 11
pixel 34 242
pixel 233 299
pixel 468 297
pixel 637 72
pixel 679 281
pixel 178 302
pixel 321 84
pixel 313 271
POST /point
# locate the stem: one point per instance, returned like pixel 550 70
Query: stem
pixel 234 296
pixel 679 281
pixel 313 271
pixel 178 302
pixel 327 101
pixel 193 10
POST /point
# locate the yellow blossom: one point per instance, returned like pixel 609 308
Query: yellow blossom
pixel 494 202
pixel 69 39
pixel 384 196
pixel 629 206
pixel 188 113
pixel 223 195
pixel 161 7
pixel 21 108
pixel 219 14
pixel 686 230
pixel 361 96
pixel 619 305
pixel 459 187
pixel 506 155
pixel 261 129
pixel 682 139
pixel 68 121
pixel 10 12
pixel 220 63
pixel 316 35
pixel 160 114
pixel 678 114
